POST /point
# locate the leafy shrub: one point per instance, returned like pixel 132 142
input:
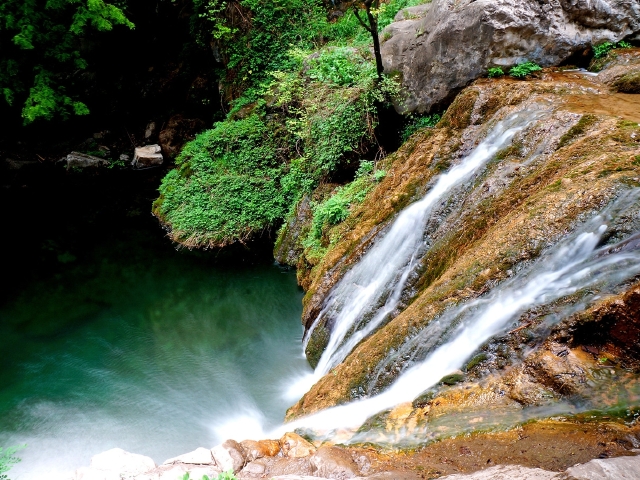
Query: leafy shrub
pixel 494 72
pixel 226 186
pixel 524 69
pixel 340 66
pixel 418 123
pixel 336 208
pixel 300 117
pixel 8 459
pixel 602 50
pixel 41 50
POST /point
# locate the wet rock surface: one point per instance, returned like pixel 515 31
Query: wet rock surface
pixel 534 190
pixel 537 451
pixel 456 42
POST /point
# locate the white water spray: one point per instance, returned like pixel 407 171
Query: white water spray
pixel 573 265
pixel 385 268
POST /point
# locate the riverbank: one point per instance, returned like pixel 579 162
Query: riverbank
pixel 547 449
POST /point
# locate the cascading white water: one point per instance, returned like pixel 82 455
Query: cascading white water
pixel 385 268
pixel 573 265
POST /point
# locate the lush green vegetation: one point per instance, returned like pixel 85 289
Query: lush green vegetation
pixel 7 460
pixel 41 42
pixel 494 72
pixel 336 208
pixel 600 51
pixel 306 107
pixel 416 123
pixel 523 70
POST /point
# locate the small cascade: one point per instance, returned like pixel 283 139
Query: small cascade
pixel 576 265
pixel 371 291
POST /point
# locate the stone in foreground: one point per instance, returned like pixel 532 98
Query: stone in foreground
pixel 200 456
pixel 507 472
pixel 621 468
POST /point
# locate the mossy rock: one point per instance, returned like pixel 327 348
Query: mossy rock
pixel 424 399
pixel 317 343
pixel 475 361
pixel 629 83
pixel 452 379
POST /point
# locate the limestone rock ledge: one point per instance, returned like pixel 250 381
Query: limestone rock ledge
pixel 440 51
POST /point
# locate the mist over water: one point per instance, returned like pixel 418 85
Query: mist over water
pixel 145 349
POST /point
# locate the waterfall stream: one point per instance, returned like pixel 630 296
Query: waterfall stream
pixel 574 265
pixel 353 306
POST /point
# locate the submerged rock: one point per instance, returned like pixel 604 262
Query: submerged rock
pixel 457 41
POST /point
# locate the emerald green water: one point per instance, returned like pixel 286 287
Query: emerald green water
pixel 128 343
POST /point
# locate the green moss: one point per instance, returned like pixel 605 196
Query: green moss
pixel 452 379
pixel 317 344
pixel 578 129
pixel 475 361
pixel 424 399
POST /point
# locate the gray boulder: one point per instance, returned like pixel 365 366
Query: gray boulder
pixel 82 160
pixel 458 40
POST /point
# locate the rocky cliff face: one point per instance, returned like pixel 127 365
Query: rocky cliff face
pixel 440 51
pixel 557 173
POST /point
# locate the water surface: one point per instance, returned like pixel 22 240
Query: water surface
pixel 128 343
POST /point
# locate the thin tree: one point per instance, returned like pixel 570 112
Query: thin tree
pixel 371 7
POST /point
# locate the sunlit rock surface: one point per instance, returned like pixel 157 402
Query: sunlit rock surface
pixel 457 41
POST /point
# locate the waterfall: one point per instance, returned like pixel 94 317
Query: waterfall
pixel 354 304
pixel 574 265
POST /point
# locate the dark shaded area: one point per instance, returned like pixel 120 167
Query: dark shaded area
pixel 134 77
pixel 52 217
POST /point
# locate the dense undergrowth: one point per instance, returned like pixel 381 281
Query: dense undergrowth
pixel 305 100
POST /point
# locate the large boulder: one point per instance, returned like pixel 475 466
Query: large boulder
pixel 458 40
pixel 259 449
pixel 508 472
